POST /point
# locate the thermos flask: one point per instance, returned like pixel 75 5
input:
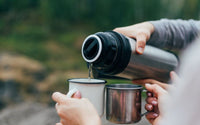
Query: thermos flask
pixel 113 55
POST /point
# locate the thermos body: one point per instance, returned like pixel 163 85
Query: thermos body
pixel 113 55
pixel 153 63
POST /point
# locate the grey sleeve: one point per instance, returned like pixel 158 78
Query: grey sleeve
pixel 174 34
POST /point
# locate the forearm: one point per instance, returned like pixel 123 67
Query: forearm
pixel 174 34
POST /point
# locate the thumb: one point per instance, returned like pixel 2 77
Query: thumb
pixel 59 97
pixel 174 76
pixel 155 89
pixel 77 95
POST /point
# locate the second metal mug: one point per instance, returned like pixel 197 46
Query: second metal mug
pixel 123 103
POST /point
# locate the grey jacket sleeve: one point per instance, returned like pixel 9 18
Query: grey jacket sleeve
pixel 174 34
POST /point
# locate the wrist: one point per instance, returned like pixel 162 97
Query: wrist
pixel 95 120
pixel 150 26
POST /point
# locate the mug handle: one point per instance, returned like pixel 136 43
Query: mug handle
pixel 71 92
pixel 143 114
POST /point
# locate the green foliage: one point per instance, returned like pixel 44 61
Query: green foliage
pixel 104 14
pixel 27 26
pixel 52 31
pixel 33 27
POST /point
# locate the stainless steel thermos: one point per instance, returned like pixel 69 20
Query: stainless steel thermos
pixel 113 55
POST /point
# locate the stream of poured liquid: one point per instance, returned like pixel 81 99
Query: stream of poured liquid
pixel 90 71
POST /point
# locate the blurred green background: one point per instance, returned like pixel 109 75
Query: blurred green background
pixel 40 40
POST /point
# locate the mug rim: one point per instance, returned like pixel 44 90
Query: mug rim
pixel 97 81
pixel 124 86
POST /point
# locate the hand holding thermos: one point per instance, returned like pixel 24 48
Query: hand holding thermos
pixel 81 111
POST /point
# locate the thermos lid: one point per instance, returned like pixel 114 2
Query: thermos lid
pixel 91 48
pixel 109 52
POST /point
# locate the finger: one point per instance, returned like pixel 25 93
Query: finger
pixel 152 100
pixel 59 124
pixel 56 106
pixel 77 95
pixel 150 81
pixel 141 39
pixel 151 115
pixel 151 121
pixel 156 89
pixel 63 122
pixel 156 109
pixel 59 97
pixel 149 107
pixel 149 94
pixel 144 81
pixel 127 31
pixel 173 76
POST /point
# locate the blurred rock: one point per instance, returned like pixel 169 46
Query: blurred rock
pixel 19 76
pixel 38 114
pixel 28 114
pixel 20 69
pixel 57 81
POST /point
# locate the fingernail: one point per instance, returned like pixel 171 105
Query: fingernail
pixel 149 94
pixel 55 95
pixel 140 49
pixel 147 84
pixel 149 107
pixel 77 95
pixel 155 115
pixel 154 102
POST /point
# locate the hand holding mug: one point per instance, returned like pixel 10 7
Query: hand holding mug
pixel 74 111
pixel 159 94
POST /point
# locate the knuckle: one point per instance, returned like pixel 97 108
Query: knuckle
pixel 148 107
pixel 143 35
pixel 143 32
pixel 148 116
pixel 142 42
pixel 146 99
pixel 116 29
pixel 60 113
pixel 155 86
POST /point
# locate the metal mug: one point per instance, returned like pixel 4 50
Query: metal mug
pixel 123 103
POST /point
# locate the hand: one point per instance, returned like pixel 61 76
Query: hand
pixel 73 111
pixel 154 102
pixel 165 86
pixel 152 105
pixel 141 32
pixel 75 95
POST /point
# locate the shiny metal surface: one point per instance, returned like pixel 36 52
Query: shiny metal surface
pixel 154 63
pixel 123 103
pixel 114 56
